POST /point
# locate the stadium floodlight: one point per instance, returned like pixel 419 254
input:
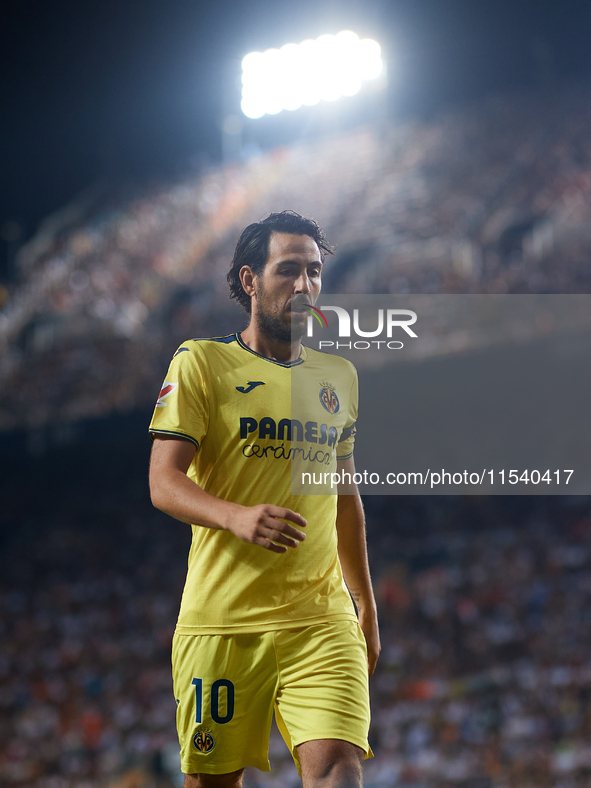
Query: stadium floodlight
pixel 304 74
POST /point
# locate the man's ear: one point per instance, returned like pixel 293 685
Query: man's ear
pixel 247 279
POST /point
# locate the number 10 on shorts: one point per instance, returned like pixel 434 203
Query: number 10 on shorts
pixel 215 700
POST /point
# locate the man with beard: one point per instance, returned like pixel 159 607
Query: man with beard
pixel 266 621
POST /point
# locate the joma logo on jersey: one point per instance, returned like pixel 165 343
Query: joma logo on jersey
pixel 289 429
pixel 252 384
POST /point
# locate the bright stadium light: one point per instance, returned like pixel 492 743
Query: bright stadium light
pixel 304 74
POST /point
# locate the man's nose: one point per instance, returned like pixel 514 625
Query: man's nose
pixel 302 283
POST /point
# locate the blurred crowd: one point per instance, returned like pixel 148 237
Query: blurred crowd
pixel 485 676
pixel 89 598
pixel 484 605
pixel 495 198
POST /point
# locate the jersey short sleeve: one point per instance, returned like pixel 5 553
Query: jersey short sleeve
pixel 182 407
pixel 347 438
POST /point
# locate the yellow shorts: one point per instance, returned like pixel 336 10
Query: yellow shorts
pixel 226 687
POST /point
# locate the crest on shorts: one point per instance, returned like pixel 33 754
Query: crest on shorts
pixel 328 398
pixel 203 740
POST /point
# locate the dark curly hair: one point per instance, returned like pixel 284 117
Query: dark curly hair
pixel 252 248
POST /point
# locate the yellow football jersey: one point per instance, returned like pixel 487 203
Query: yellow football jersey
pixel 236 407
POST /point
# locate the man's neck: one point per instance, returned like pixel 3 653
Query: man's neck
pixel 270 348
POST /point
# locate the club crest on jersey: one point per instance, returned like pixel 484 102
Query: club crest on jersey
pixel 328 398
pixel 165 391
pixel 203 740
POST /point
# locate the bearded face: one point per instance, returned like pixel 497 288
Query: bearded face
pixel 290 279
pixel 278 323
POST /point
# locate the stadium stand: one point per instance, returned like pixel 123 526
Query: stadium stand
pixel 491 199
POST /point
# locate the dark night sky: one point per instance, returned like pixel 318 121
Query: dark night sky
pixel 91 88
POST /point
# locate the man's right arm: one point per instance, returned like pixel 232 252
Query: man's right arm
pixel 175 494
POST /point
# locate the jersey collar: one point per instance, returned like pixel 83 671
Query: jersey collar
pixel 299 360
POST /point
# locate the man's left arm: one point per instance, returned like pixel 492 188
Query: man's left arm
pixel 353 557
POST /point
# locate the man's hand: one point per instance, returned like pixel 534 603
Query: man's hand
pixel 174 493
pixel 265 526
pixel 369 627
